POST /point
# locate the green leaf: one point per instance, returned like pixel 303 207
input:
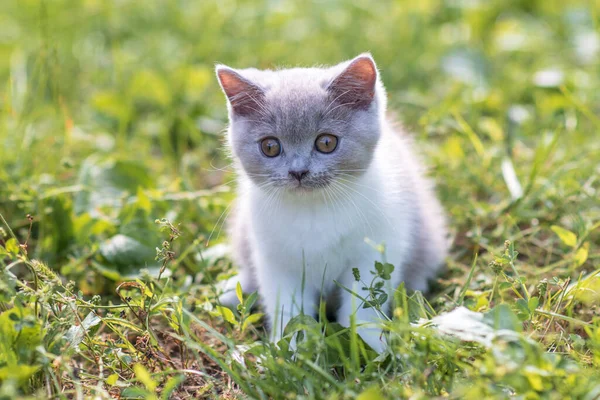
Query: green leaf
pixel 251 319
pixel 171 385
pixel 566 236
pixel 533 304
pixel 21 373
pixel 106 271
pixel 238 292
pixel 127 253
pixel 106 180
pixel 382 298
pixel 369 304
pixel 20 334
pixel 112 379
pixel 522 309
pixel 143 201
pixel 76 333
pixel 252 298
pixel 60 232
pixel 144 376
pixel 138 223
pixel 144 289
pixel 372 393
pixel 21 331
pixel 135 392
pixel 298 323
pixel 227 314
pixel 534 378
pixel 86 228
pixel 12 246
pixel 581 255
pixel 122 322
pixel 384 270
pixel 502 317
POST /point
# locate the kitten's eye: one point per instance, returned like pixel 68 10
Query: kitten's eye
pixel 326 143
pixel 270 147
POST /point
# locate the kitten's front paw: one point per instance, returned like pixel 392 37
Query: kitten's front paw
pixel 373 338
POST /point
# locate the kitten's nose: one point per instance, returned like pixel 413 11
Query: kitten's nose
pixel 299 174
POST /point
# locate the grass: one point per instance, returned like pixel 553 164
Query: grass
pixel 113 178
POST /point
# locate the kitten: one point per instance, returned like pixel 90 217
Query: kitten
pixel 320 170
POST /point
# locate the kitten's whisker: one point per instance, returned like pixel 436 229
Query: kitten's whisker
pixel 227 183
pixel 358 184
pixel 361 214
pixel 377 208
pixel 326 192
pixel 224 221
pixel 278 199
pixel 217 223
pixel 271 194
pixel 222 169
pixel 213 168
pixel 340 200
pixel 348 197
pixel 269 191
pixel 264 185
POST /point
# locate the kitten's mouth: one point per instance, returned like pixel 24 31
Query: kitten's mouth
pixel 300 187
pixel 307 186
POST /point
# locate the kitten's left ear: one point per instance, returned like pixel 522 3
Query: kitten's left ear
pixel 355 85
pixel 244 96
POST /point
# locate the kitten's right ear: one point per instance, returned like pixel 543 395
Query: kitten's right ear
pixel 243 95
pixel 355 85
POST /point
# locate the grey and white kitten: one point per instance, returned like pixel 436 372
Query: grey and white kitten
pixel 321 170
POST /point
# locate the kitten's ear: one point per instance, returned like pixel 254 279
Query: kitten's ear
pixel 243 95
pixel 355 85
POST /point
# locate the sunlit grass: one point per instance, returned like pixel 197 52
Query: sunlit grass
pixel 111 133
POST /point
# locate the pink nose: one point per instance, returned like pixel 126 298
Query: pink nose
pixel 299 174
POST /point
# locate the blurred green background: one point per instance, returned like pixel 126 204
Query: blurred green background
pixel 111 117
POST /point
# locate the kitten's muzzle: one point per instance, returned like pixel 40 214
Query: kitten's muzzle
pixel 299 174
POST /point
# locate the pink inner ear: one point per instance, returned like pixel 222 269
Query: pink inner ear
pixel 243 95
pixel 231 82
pixel 363 70
pixel 355 86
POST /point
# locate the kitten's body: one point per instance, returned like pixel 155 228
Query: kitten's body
pixel 293 244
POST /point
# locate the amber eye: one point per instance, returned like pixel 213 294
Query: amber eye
pixel 326 143
pixel 270 147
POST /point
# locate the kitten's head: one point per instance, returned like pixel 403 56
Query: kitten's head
pixel 300 129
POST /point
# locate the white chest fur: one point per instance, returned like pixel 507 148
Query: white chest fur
pixel 325 234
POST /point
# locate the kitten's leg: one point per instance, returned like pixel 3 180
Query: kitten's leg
pixel 284 297
pixel 368 320
pixel 245 278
